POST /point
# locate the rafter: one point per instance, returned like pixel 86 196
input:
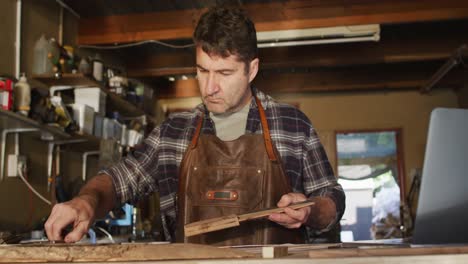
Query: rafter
pixel 270 16
pixel 367 78
pixel 397 46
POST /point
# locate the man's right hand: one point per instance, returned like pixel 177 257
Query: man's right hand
pixel 79 213
pixel 95 200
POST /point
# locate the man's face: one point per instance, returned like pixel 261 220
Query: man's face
pixel 224 82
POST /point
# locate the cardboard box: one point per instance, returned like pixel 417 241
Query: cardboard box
pixel 98 124
pixel 112 129
pixel 84 117
pixel 92 96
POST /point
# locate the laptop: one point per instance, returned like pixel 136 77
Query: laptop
pixel 442 214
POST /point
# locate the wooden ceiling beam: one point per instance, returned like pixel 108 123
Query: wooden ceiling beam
pixel 367 78
pixel 160 64
pixel 292 14
pixel 391 50
pixel 371 77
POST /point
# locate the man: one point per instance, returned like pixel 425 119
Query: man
pixel 238 151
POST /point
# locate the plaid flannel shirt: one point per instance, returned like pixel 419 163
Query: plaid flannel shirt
pixel 154 166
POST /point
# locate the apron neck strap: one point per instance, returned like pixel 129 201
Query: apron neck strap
pixel 266 130
pixel 263 121
pixel 197 131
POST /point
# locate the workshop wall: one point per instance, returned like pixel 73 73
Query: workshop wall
pixel 463 96
pixel 21 209
pixel 408 110
pixel 7 43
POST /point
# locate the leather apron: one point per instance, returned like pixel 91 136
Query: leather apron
pixel 219 178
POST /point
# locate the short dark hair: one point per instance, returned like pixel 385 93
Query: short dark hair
pixel 228 31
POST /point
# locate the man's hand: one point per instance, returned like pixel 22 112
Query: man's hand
pixel 78 212
pixel 291 218
pixel 95 200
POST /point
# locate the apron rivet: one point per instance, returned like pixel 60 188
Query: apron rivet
pixel 194 168
pixel 259 171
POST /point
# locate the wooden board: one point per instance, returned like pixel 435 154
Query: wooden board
pixel 219 223
pixel 114 253
pixel 274 251
pixel 387 251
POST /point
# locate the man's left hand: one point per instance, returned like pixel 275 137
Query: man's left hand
pixel 291 218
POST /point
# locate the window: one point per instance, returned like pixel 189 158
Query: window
pixel 370 169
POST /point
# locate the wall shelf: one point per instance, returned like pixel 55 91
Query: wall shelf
pixel 90 142
pixel 11 120
pixel 71 79
pixel 114 103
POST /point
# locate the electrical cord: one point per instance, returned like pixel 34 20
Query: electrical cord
pixel 31 206
pixel 106 233
pixel 137 44
pixel 20 172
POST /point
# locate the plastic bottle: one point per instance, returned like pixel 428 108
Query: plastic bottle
pixel 84 67
pixel 22 95
pixel 41 63
pixel 53 56
pixel 98 68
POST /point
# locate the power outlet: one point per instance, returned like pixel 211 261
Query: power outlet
pixel 13 162
pixel 12 165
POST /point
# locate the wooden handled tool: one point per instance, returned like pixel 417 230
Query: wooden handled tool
pixel 218 223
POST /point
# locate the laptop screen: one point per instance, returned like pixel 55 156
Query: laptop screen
pixel 442 214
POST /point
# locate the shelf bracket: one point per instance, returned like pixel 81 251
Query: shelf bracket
pixel 85 161
pixel 5 132
pixel 50 150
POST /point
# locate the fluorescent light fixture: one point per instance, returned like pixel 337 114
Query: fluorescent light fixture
pixel 313 36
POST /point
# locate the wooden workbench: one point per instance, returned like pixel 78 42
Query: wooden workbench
pixel 191 253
